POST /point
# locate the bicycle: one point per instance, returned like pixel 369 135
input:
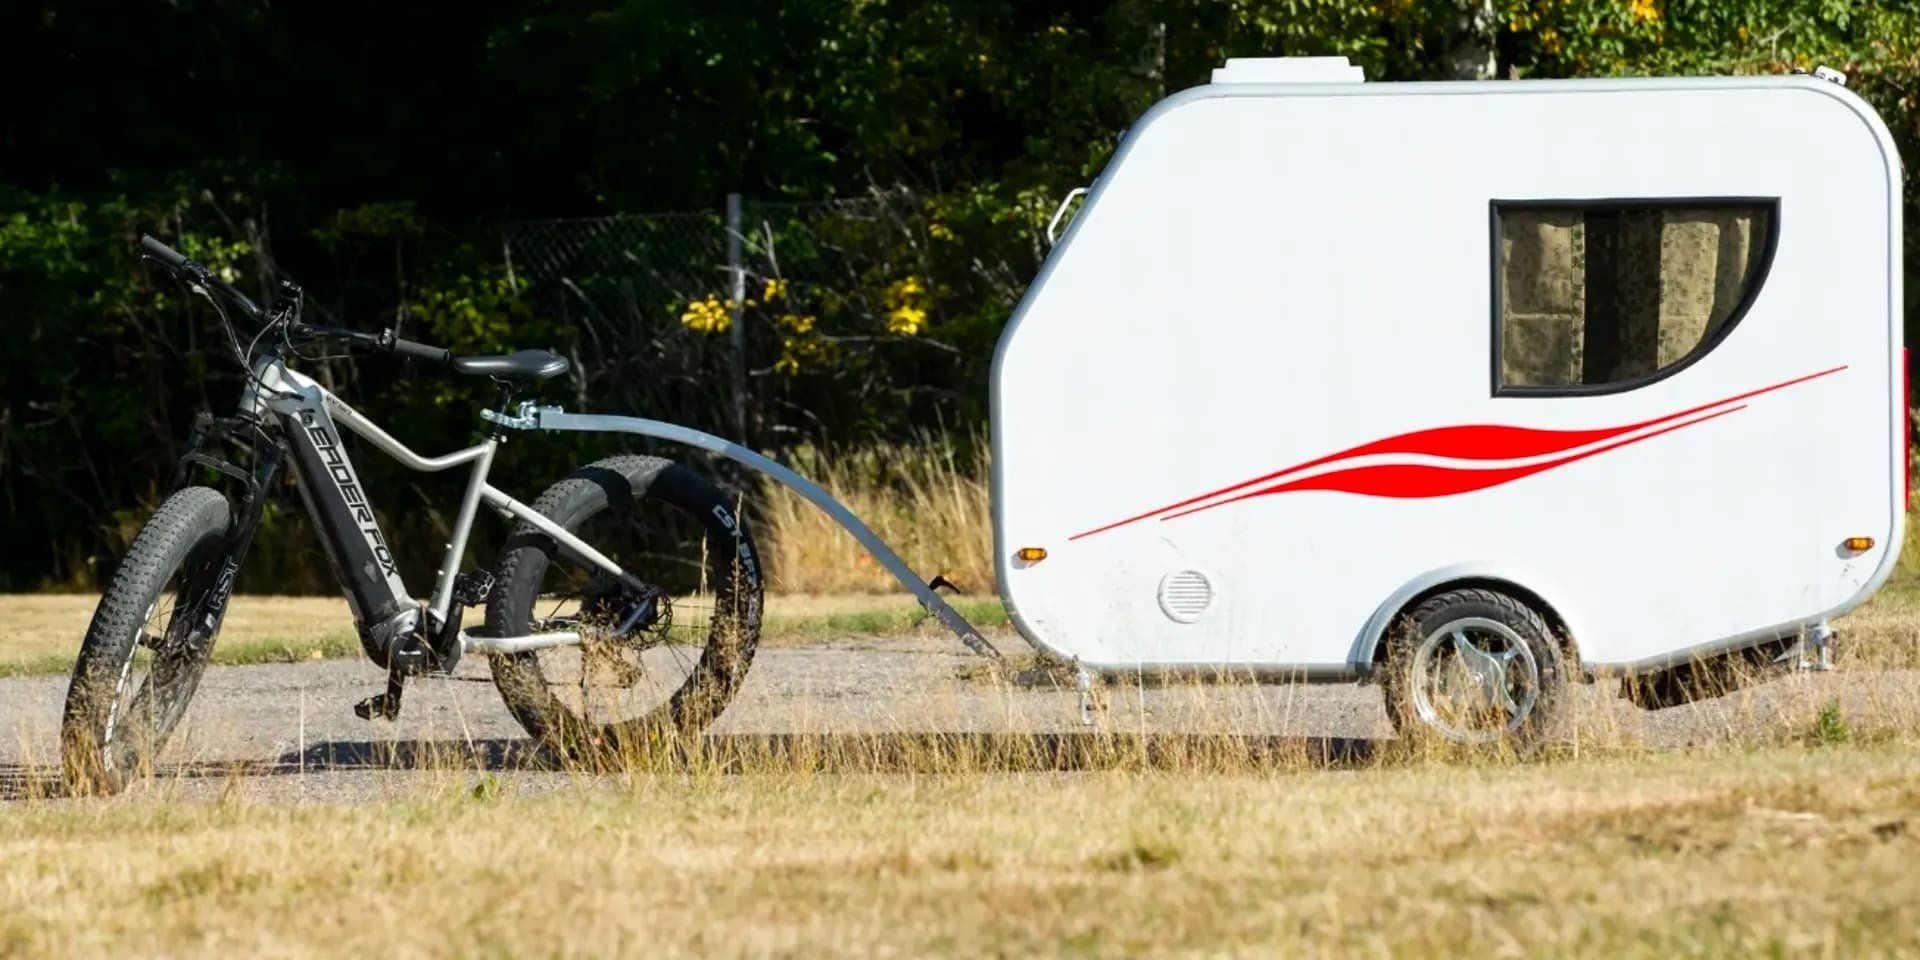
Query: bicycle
pixel 606 634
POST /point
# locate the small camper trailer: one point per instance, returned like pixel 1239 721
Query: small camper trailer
pixel 1476 389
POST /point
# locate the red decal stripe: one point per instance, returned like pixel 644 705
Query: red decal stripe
pixel 1468 442
pixel 1414 481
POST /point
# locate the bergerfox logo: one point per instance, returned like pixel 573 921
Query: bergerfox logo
pixel 341 471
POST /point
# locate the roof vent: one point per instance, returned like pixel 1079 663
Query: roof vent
pixel 1288 70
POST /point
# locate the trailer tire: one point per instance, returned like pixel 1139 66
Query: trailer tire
pixel 1418 663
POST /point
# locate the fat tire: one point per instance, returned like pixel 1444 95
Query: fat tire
pixel 1408 631
pixel 733 567
pixel 186 535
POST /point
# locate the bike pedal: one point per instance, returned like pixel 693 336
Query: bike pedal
pixel 379 705
pixel 471 588
pixel 385 706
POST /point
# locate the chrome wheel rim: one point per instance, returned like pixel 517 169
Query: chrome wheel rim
pixel 1475 680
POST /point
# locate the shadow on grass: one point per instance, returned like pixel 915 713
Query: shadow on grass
pixel 751 754
pixel 868 753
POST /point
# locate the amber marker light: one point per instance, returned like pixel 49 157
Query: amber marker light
pixel 1037 554
pixel 1858 544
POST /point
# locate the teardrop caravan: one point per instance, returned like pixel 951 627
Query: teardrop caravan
pixel 1496 381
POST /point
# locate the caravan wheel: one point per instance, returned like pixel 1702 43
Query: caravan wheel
pixel 1474 666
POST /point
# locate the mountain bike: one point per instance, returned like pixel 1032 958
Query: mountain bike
pixel 624 606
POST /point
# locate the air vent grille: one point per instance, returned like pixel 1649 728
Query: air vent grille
pixel 1185 595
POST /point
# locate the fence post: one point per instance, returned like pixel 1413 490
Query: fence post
pixel 737 326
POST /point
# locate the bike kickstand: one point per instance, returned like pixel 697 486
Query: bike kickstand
pixel 385 706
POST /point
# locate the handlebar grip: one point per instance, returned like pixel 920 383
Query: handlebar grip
pixel 423 351
pixel 176 260
pixel 163 253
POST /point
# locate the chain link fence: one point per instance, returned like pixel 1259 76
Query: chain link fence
pixel 776 322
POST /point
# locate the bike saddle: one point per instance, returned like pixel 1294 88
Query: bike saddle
pixel 520 365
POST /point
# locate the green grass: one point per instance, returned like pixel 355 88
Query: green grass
pixel 242 651
pixel 985 614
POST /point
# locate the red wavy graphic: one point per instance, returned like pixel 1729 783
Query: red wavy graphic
pixel 1467 442
pixel 1417 481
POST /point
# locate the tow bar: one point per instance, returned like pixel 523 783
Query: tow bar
pixel 531 417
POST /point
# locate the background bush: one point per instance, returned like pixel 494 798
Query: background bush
pixel 375 150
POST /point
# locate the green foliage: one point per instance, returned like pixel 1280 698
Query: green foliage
pixel 373 154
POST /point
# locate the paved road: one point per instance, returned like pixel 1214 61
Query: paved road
pixel 287 731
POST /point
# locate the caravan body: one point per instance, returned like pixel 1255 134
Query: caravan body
pixel 1313 348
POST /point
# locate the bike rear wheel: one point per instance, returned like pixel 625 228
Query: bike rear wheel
pixel 147 646
pixel 658 661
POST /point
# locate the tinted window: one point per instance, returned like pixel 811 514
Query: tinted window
pixel 1609 296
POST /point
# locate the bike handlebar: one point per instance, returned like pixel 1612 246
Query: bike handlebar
pixel 414 348
pixel 383 341
pixel 386 340
pixel 163 253
pixel 178 262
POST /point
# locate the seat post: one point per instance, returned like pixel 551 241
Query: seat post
pixel 505 405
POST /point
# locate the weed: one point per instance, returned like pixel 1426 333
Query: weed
pixel 1829 726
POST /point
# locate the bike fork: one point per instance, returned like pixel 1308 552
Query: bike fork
pixel 210 608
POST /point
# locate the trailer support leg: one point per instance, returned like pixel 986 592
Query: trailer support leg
pixel 1820 638
pixel 1084 680
pixel 553 418
pixel 1814 649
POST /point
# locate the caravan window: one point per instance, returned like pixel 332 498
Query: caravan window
pixel 1596 297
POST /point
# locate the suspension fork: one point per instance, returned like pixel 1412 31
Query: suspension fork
pixel 208 607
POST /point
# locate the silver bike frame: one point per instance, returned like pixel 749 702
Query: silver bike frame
pixel 276 388
pixel 286 392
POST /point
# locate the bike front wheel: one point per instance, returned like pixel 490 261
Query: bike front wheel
pixel 656 660
pixel 148 644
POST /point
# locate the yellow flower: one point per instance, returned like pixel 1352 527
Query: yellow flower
pixel 776 288
pixel 798 323
pixel 906 313
pixel 1645 11
pixel 707 316
pixel 906 321
pixel 798 351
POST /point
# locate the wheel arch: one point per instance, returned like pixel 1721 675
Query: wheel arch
pixel 1369 648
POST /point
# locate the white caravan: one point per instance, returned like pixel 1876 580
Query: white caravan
pixel 1474 388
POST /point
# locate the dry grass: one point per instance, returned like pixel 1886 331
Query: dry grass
pixel 1794 836
pixel 1771 852
pixel 927 499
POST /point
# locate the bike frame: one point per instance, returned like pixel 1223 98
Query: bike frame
pixel 398 632
pixel 310 417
